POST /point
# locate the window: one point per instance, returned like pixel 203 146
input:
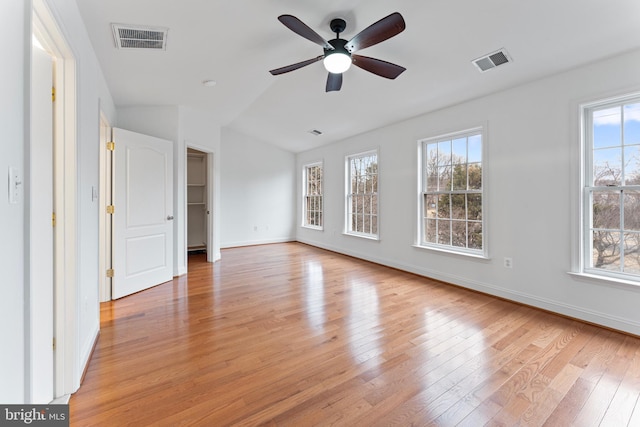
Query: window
pixel 313 203
pixel 611 193
pixel 362 194
pixel 451 193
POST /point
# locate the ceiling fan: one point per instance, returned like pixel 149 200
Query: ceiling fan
pixel 338 53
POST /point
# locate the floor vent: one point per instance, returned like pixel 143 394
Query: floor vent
pixel 139 37
pixel 492 60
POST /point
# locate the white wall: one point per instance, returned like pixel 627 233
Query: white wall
pixel 258 192
pixel 14 45
pixel 160 121
pixel 531 188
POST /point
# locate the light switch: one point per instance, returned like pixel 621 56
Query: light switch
pixel 15 185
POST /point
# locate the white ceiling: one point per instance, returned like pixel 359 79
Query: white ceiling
pixel 237 42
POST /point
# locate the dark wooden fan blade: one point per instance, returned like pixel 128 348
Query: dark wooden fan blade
pixel 377 66
pixel 300 28
pixel 293 67
pixel 334 82
pixel 378 32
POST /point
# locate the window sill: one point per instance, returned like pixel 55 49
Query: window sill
pixel 607 279
pixel 363 236
pixel 453 252
pixel 310 227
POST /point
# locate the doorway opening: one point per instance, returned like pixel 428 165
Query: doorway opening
pixel 197 202
pixel 200 189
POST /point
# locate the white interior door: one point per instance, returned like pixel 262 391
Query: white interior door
pixel 143 215
pixel 41 230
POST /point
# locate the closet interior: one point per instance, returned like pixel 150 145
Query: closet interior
pixel 197 206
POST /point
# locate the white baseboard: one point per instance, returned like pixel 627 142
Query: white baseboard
pixel 257 242
pixel 62 400
pixel 87 351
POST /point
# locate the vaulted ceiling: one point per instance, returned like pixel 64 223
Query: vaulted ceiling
pixel 236 43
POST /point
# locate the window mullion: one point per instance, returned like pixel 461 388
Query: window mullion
pixel 590 228
pixel 451 208
pixel 622 173
pixel 622 227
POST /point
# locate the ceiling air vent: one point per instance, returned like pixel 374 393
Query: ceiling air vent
pixel 315 132
pixel 139 37
pixel 492 60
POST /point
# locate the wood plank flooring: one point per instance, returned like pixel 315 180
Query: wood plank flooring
pixel 291 335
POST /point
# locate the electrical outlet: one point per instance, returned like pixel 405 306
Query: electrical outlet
pixel 508 263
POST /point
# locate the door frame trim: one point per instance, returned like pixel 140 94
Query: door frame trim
pixel 105 237
pixel 66 363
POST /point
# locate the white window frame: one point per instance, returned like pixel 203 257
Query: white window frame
pixel 348 230
pixel 305 195
pixel 423 191
pixel 587 188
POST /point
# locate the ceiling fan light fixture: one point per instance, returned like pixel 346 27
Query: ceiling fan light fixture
pixel 337 62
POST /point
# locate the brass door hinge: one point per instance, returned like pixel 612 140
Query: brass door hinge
pixel 54 343
pixel 111 209
pixel 111 146
pixel 53 94
pixel 110 272
pixel 53 219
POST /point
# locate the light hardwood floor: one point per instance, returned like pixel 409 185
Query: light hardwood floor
pixel 292 335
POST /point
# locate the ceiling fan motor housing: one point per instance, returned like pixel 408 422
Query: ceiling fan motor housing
pixel 338 25
pixel 338 47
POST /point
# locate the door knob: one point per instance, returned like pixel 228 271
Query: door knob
pixel 170 218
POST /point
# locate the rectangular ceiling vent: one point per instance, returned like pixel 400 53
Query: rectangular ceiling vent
pixel 315 132
pixel 139 37
pixel 492 60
